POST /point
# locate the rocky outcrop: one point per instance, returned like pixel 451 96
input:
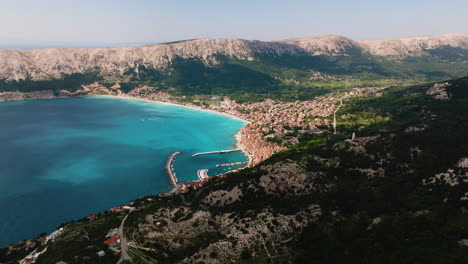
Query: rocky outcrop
pixel 326 45
pixel 439 92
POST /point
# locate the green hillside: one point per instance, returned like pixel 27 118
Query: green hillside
pixel 284 77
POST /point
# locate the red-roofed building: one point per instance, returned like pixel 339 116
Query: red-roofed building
pixel 92 217
pixel 116 209
pixel 111 241
pixel 30 245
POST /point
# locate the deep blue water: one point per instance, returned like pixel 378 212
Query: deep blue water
pixel 64 159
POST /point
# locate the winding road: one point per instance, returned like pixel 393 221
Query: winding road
pixel 123 242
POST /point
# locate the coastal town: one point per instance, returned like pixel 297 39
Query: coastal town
pixel 272 125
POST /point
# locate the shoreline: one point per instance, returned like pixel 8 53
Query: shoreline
pixel 237 136
pixel 173 104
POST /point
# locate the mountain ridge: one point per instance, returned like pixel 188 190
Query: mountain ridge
pixel 45 64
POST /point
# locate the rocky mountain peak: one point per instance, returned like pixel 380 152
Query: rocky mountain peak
pixel 413 45
pixel 325 45
pixel 43 64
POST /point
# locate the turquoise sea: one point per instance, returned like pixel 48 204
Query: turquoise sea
pixel 64 159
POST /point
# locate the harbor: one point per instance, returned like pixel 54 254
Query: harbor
pixel 202 174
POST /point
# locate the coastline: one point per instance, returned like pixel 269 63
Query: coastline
pixel 189 184
pixel 237 136
pixel 40 96
pixel 174 104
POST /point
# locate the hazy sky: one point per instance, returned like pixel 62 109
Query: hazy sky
pixel 138 21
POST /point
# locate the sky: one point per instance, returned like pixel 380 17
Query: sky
pixel 126 22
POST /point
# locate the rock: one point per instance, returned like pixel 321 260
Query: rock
pixel 417 128
pixel 452 177
pixel 463 163
pixel 463 243
pixel 439 92
pixel 375 221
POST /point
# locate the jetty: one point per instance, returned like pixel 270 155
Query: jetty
pixel 170 170
pixel 232 164
pixel 215 152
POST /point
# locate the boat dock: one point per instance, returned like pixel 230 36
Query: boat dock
pixel 232 164
pixel 170 170
pixel 215 152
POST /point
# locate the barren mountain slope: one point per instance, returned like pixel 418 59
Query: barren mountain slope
pixel 53 63
pixel 45 64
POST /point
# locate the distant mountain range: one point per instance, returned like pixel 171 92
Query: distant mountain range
pixel 332 45
pixel 389 185
pixel 246 70
pixel 44 64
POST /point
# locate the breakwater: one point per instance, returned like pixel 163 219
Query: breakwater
pixel 232 164
pixel 215 152
pixel 170 170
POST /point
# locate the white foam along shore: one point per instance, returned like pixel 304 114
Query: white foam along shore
pixel 236 136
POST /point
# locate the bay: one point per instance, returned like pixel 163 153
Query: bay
pixel 63 159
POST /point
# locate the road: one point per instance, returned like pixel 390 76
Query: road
pixel 123 242
pixel 334 114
